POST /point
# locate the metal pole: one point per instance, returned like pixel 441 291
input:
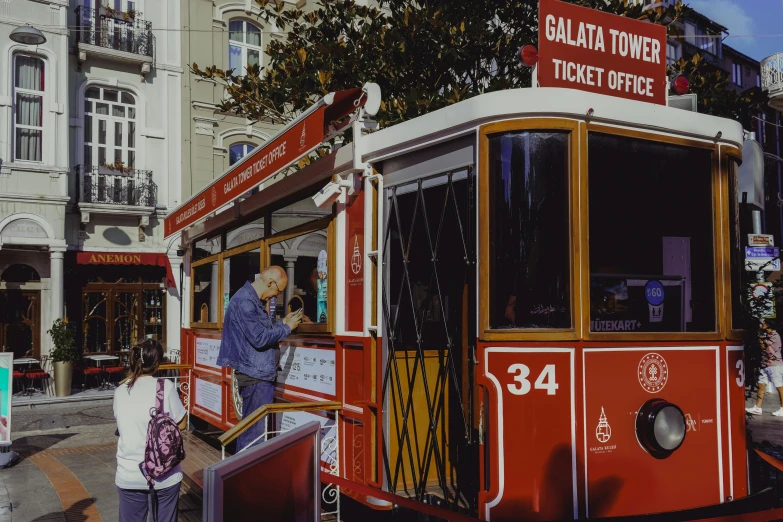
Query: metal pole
pixel 757 230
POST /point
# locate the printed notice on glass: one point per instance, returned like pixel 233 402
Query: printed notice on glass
pixel 207 351
pixel 209 396
pixel 293 419
pixel 307 368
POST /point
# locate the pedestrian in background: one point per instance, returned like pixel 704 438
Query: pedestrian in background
pixel 771 373
pixel 133 400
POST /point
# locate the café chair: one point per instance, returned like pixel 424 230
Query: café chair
pixel 37 374
pixel 18 379
pixel 89 371
pixel 114 371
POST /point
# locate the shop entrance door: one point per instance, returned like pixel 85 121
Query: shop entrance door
pixel 20 322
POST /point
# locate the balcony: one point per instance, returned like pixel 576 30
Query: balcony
pixel 772 79
pixel 690 49
pixel 114 35
pixel 105 190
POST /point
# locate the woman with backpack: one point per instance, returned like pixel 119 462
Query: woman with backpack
pixel 149 439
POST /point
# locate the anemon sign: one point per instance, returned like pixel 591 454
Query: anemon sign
pixel 585 49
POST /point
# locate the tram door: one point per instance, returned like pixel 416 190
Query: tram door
pixel 430 443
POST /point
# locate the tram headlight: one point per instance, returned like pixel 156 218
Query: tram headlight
pixel 660 427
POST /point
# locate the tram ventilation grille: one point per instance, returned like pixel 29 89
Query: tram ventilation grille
pixel 686 102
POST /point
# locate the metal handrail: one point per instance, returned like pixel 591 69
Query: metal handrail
pixel 280 407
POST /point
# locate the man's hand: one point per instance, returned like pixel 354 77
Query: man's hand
pixel 293 319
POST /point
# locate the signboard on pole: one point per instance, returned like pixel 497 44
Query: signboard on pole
pixel 761 240
pixel 6 391
pixel 295 141
pixel 585 49
pixel 762 258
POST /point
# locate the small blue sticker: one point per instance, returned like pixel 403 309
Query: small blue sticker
pixel 653 291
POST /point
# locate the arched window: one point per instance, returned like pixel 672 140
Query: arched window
pixel 20 273
pixel 109 127
pixel 244 45
pixel 238 151
pixel 29 88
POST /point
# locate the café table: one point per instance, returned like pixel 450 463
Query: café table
pixel 29 362
pixel 100 360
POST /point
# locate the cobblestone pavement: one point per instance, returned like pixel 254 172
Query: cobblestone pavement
pixel 66 468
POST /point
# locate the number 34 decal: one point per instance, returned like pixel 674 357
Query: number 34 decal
pixel 521 385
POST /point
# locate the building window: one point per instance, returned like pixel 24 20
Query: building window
pixel 109 128
pixel 736 73
pixel 29 86
pixel 659 278
pixel 244 45
pixel 238 151
pixel 672 53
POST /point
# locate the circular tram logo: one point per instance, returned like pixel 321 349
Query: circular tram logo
pixel 214 197
pixel 653 372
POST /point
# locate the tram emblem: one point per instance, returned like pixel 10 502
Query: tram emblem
pixel 214 197
pixel 653 373
pixel 303 137
pixel 356 258
pixel 603 432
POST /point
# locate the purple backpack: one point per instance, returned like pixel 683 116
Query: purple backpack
pixel 164 449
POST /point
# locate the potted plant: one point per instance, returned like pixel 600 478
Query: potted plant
pixel 63 355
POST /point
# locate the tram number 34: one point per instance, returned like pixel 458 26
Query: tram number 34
pixel 521 385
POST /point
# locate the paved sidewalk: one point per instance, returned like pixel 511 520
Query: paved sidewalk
pixel 68 476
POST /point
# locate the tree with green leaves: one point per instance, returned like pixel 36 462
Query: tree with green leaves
pixel 424 56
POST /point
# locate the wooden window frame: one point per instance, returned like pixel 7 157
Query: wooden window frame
pixel 326 223
pixel 720 239
pixel 728 155
pixel 211 259
pixel 574 144
pixel 241 249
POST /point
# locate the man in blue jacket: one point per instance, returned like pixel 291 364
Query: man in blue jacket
pixel 249 344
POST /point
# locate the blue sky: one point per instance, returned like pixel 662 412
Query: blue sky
pixel 747 17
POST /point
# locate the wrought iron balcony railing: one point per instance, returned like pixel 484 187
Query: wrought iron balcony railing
pixel 772 74
pixel 110 29
pixel 707 54
pixel 129 187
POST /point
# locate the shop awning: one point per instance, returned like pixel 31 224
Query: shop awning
pixel 127 258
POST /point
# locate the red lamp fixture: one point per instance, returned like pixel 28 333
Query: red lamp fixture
pixel 681 85
pixel 529 55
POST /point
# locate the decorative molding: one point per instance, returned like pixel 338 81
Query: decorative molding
pixel 204 106
pixel 207 80
pixel 205 126
pixel 5 101
pixel 30 198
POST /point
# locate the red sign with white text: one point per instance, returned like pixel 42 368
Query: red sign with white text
pixel 585 49
pixel 275 155
pixel 354 265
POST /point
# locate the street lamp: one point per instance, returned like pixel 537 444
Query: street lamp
pixel 28 34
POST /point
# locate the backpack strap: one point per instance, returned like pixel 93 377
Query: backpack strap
pixel 159 396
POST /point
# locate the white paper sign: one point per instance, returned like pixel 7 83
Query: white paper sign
pixel 210 396
pixel 308 368
pixel 293 419
pixel 207 351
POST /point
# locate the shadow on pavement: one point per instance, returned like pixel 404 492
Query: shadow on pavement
pixel 29 446
pixel 75 513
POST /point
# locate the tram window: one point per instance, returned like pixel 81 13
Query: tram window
pixel 204 282
pixel 297 214
pixel 651 236
pixel 205 248
pixel 306 262
pixel 530 257
pixel 238 269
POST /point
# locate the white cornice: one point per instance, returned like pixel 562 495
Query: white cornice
pixel 35 198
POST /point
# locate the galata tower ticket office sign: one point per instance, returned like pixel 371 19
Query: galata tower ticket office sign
pixel 585 49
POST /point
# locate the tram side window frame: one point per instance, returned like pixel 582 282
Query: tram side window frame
pixel 717 257
pixel 265 252
pixel 531 125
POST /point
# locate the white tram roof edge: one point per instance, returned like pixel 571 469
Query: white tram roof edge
pixel 463 117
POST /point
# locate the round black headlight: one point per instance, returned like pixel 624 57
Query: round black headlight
pixel 660 428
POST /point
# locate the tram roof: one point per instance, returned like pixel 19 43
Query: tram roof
pixel 463 118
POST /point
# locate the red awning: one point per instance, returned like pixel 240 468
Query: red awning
pixel 127 258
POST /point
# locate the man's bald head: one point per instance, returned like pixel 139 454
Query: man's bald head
pixel 272 282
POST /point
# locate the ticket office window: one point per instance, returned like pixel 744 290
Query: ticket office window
pixel 305 253
pixel 240 265
pixel 205 292
pixel 651 236
pixel 529 250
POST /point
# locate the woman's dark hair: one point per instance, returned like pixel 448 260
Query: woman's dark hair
pixel 145 359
